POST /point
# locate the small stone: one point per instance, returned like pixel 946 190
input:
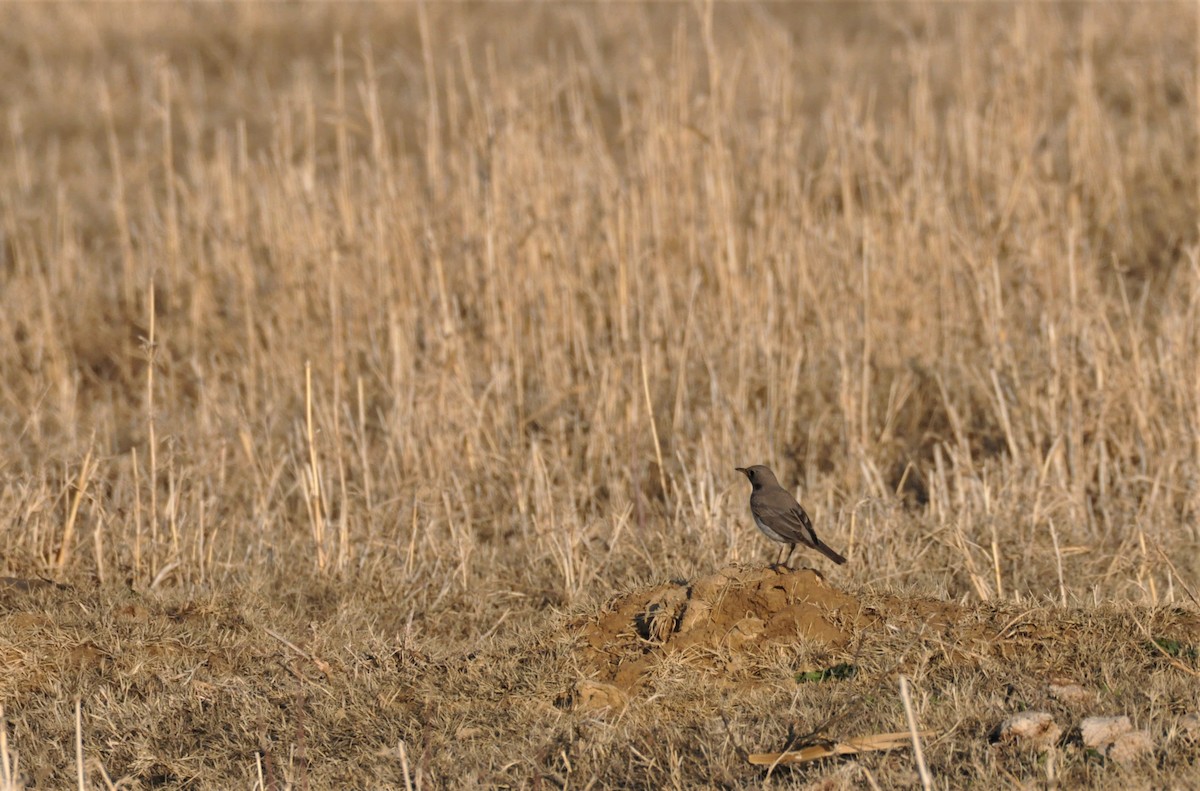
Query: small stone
pixel 1131 747
pixel 1190 724
pixel 1036 728
pixel 1099 732
pixel 1067 691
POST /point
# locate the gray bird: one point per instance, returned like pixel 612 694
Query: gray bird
pixel 779 516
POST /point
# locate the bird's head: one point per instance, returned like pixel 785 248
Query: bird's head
pixel 759 475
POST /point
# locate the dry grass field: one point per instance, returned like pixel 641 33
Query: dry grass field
pixel 372 379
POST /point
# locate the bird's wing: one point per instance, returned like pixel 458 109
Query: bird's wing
pixel 791 523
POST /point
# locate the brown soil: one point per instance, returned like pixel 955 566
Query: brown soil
pixel 735 609
pixel 716 621
pixel 722 624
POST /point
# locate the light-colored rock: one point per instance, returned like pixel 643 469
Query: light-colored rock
pixel 1034 728
pixel 1067 691
pixel 1131 747
pixel 1190 724
pixel 1099 732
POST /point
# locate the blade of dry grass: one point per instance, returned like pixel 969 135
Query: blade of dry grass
pixel 915 735
pixel 858 744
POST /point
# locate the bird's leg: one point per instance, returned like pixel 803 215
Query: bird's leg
pixel 790 549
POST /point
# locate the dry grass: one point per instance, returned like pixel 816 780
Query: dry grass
pixel 351 357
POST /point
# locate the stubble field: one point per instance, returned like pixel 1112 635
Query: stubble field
pixel 372 379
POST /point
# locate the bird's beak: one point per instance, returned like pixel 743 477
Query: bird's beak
pixel 742 470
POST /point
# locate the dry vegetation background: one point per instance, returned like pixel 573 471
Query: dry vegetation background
pixel 350 355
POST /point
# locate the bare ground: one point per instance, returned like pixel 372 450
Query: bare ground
pixel 321 684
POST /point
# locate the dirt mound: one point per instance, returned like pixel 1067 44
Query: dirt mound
pixel 736 609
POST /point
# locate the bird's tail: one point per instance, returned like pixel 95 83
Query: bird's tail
pixel 824 549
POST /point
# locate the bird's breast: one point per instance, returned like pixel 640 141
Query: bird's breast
pixel 768 532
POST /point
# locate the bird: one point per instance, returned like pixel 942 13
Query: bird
pixel 780 517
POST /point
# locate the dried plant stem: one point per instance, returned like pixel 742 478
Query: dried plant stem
pixel 68 539
pixel 918 753
pixel 1062 587
pixel 316 507
pixel 408 784
pixel 7 767
pixel 662 475
pixel 151 350
pixel 80 776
